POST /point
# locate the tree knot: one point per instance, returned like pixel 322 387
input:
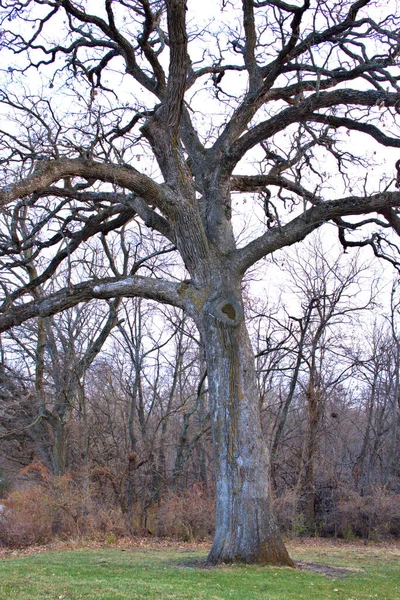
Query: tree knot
pixel 227 309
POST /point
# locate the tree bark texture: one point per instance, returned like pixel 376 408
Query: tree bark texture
pixel 59 454
pixel 245 527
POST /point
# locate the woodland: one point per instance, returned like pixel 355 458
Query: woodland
pixel 199 271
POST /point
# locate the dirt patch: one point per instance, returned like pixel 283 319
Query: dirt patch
pixel 335 572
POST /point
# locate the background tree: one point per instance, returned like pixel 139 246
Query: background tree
pixel 57 360
pixel 308 353
pixel 329 294
pixel 280 82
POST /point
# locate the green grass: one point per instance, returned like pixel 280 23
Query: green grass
pixel 120 574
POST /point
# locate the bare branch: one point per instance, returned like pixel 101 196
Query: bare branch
pixel 253 183
pixel 353 125
pixel 49 172
pixel 305 109
pixel 129 287
pixel 176 15
pixel 298 228
pixel 250 45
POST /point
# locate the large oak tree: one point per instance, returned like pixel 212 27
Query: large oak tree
pixel 255 101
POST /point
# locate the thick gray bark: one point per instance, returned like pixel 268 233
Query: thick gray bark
pixel 245 528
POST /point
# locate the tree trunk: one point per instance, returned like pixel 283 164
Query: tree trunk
pixel 246 530
pixel 203 475
pixel 306 479
pixel 59 456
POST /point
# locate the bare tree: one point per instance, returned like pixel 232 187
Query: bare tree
pixel 331 294
pixel 378 370
pixel 58 353
pixel 144 404
pixel 308 351
pixel 279 88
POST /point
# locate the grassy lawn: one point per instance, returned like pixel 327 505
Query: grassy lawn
pixel 176 572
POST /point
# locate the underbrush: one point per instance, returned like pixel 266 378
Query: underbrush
pixel 348 514
pixel 51 508
pixel 188 516
pixel 47 508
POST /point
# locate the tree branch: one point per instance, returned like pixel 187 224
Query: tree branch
pixel 111 32
pixel 255 79
pixel 305 109
pixel 160 290
pixel 353 125
pixel 254 183
pixel 48 172
pixel 176 19
pixel 298 228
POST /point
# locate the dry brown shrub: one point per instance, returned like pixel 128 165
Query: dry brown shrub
pixel 50 507
pixel 27 518
pixel 188 515
pixel 285 508
pixel 105 523
pixel 376 515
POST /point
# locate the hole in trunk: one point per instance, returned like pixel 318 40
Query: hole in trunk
pixel 229 311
